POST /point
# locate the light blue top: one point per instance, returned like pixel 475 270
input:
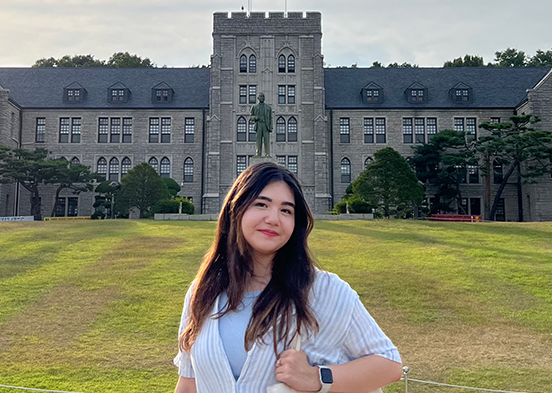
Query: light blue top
pixel 232 328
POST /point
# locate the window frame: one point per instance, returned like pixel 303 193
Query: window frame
pixel 189 129
pixel 64 129
pixel 188 170
pixel 165 168
pixel 40 130
pixel 345 170
pixel 344 130
pixel 380 129
pixel 126 130
pixel 281 129
pixel 408 130
pixel 292 129
pixel 291 64
pixel 369 130
pixel 103 129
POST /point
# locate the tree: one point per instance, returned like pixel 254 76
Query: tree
pixel 126 60
pixel 172 187
pixel 518 147
pixel 141 187
pixel 403 65
pixel 29 168
pixel 541 59
pixel 75 177
pixel 119 60
pixel 389 183
pixel 70 61
pixel 376 64
pixel 442 164
pixel 510 58
pixel 467 61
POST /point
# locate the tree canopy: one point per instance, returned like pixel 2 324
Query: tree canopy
pixel 33 168
pixel 389 184
pixel 142 188
pixel 117 60
pixel 510 57
pixel 467 61
pixel 75 177
pixel 442 164
pixel 517 147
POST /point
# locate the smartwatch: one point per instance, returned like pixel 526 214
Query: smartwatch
pixel 326 378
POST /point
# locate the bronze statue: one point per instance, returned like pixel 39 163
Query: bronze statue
pixel 261 114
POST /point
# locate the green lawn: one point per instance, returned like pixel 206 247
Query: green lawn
pixel 94 306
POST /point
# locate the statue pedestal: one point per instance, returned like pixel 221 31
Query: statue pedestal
pixel 256 159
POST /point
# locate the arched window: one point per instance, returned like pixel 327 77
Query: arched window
pixel 114 169
pixel 280 130
pixel 243 63
pixel 125 166
pixel 154 163
pixel 282 63
pixel 252 64
pixel 291 63
pixel 188 170
pixel 165 171
pixel 292 129
pixel 252 133
pixel 101 169
pixel 75 160
pixel 242 129
pixel 345 170
pixel 368 161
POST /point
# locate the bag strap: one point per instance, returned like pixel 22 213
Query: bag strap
pixel 296 342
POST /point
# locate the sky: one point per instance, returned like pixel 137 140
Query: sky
pixel 178 33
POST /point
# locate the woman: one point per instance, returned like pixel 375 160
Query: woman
pixel 258 287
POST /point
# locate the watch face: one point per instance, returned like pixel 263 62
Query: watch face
pixel 326 375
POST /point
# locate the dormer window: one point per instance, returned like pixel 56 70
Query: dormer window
pixel 372 93
pixel 162 93
pixel 74 93
pixel 417 95
pixel 461 94
pixel 118 93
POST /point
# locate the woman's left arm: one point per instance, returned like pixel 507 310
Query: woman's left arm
pixel 361 375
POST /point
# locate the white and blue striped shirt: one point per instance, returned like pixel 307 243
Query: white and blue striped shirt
pixel 347 332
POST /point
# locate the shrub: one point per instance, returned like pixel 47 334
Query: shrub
pixel 357 205
pixel 172 206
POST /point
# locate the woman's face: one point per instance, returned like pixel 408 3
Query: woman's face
pixel 268 222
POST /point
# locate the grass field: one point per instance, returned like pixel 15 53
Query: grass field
pixel 95 306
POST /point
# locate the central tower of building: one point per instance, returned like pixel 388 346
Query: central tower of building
pixel 280 56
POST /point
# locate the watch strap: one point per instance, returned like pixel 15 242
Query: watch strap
pixel 325 385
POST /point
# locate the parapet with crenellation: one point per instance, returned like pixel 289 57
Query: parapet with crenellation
pixel 259 23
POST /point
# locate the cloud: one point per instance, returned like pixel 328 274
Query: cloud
pixel 178 33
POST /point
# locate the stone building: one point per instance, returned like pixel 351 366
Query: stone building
pixel 192 124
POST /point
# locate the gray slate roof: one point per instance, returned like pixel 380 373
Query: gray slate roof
pixel 493 87
pixel 43 87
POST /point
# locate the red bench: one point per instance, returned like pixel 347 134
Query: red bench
pixel 455 217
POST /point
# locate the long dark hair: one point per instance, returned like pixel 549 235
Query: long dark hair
pixel 228 264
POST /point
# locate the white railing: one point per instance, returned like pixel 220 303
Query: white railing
pixel 406 379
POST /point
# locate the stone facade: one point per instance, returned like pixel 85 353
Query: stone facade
pixel 9 136
pixel 280 56
pixel 267 39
